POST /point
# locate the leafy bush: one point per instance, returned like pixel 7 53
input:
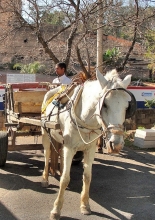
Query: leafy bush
pixel 31 68
pixel 141 128
pixel 150 103
pixel 112 56
pixel 109 55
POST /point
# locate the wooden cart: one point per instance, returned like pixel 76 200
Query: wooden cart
pixel 22 107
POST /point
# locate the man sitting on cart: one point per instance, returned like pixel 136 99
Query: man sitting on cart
pixel 61 82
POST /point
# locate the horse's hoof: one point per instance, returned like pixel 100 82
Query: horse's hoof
pixel 85 211
pixel 44 184
pixel 54 216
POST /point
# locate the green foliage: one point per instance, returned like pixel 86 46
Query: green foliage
pixel 151 66
pixel 150 103
pixel 150 50
pixel 112 56
pixel 31 68
pixel 141 128
pixel 56 18
pixel 150 40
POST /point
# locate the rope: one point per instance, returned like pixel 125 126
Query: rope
pixel 79 129
pixel 82 124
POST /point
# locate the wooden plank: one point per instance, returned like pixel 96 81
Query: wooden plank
pixel 27 107
pixel 28 101
pixel 30 121
pixel 29 85
pixel 29 96
pixel 30 133
pixel 36 122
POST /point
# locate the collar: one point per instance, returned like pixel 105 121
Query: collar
pixel 61 77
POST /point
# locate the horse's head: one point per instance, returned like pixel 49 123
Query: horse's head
pixel 115 105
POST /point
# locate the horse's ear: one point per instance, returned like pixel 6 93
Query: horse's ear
pixel 126 81
pixel 101 78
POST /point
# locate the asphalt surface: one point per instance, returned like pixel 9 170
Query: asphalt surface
pixel 123 187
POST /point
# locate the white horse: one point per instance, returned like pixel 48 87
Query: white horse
pixel 96 108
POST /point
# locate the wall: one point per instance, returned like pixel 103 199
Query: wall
pixel 143 118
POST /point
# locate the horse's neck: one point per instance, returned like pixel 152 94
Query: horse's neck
pixel 87 103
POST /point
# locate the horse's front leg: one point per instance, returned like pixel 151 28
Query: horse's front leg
pixel 87 174
pixel 64 181
pixel 47 153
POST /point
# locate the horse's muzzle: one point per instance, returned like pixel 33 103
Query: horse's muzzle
pixel 115 145
pixel 115 141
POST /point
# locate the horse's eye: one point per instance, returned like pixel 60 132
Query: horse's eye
pixel 104 105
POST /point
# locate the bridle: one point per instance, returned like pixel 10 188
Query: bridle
pixel 103 127
pixel 132 104
pixel 115 129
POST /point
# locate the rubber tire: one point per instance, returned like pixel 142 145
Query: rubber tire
pixel 78 157
pixel 3 147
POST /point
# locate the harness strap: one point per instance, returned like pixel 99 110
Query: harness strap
pixel 49 136
pixel 117 132
pixel 43 109
pixel 76 120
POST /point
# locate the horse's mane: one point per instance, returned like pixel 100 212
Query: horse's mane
pixel 113 79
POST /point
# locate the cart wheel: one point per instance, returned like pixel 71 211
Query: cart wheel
pixel 78 157
pixel 3 147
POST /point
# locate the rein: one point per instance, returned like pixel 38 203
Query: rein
pixel 76 120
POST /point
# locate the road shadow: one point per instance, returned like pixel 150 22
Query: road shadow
pixel 20 165
pixel 6 213
pixel 123 185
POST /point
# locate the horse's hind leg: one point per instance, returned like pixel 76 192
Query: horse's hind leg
pixel 64 181
pixel 47 152
pixel 87 174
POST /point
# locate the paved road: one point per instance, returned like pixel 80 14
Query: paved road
pixel 123 187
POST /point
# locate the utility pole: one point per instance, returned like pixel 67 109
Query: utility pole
pixel 100 36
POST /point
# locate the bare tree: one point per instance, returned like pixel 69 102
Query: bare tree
pixel 76 23
pixel 35 18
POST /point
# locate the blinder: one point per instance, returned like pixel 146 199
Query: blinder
pixel 132 104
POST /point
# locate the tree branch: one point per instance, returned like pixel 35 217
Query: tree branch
pixel 134 39
pixel 81 63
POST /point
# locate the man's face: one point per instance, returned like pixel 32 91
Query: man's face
pixel 59 71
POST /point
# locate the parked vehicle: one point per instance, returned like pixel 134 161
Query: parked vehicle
pixel 22 108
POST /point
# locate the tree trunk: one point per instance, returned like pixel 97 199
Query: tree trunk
pixel 100 36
